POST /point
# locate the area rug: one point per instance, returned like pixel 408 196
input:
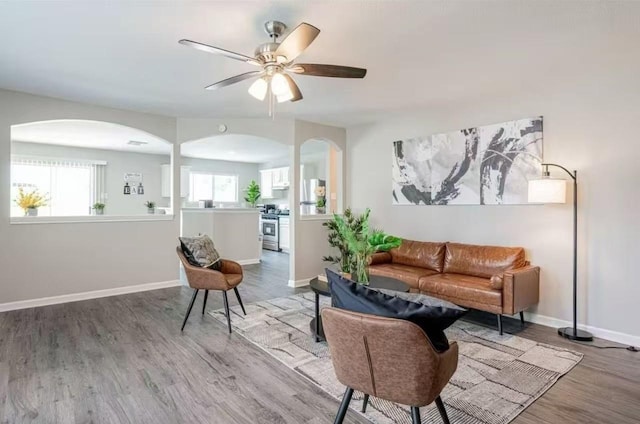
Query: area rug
pixel 497 376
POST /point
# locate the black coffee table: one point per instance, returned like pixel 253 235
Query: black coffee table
pixel 321 288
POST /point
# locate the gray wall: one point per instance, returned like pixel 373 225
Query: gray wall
pixel 587 126
pixel 40 260
pixel 118 163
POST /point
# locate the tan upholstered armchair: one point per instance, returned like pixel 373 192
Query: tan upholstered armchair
pixel 229 277
pixel 388 358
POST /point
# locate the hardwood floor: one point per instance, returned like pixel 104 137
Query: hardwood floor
pixel 123 359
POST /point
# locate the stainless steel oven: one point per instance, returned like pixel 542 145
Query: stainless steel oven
pixel 270 235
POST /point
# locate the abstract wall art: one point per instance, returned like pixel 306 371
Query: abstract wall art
pixel 488 165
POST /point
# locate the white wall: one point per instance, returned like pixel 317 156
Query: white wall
pixel 40 260
pixel 118 163
pixel 590 126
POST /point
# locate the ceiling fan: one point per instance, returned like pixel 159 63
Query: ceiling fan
pixel 276 62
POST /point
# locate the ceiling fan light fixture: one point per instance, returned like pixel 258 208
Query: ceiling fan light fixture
pixel 280 85
pixel 285 97
pixel 259 88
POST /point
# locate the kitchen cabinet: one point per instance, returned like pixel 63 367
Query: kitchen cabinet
pixel 284 233
pixel 165 181
pixel 273 179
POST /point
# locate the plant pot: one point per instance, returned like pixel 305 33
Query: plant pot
pixel 321 210
pixel 151 211
pixel 99 211
pixel 32 212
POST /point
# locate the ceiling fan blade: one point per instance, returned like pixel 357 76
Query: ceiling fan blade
pixel 233 80
pixel 295 90
pixel 216 50
pixel 298 40
pixel 334 71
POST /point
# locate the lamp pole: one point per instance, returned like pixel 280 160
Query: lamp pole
pixel 572 333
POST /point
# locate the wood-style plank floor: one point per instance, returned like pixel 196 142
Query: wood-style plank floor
pixel 123 359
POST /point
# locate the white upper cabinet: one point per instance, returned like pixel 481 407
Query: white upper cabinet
pixel 273 179
pixel 166 180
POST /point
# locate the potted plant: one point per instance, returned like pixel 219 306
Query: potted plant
pixel 321 202
pixel 344 259
pixel 362 243
pixel 30 202
pixel 151 206
pixel 98 208
pixel 253 193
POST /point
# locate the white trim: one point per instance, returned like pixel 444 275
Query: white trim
pixel 614 336
pixel 22 220
pixel 300 283
pixel 249 261
pixel 75 297
pixel 58 159
pixel 324 217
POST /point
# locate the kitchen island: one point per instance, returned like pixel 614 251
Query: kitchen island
pixel 234 231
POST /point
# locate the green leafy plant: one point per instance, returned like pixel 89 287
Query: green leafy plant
pixel 344 259
pixel 31 200
pixel 98 206
pixel 253 193
pixel 150 205
pixel 357 242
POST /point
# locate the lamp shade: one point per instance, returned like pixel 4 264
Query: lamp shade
pixel 259 89
pixel 547 190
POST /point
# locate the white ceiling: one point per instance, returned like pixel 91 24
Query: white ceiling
pixel 419 53
pixel 235 147
pixel 89 134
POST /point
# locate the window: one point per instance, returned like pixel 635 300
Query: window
pixel 69 187
pixel 219 188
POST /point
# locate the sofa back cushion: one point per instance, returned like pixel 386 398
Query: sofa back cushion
pixel 482 261
pixel 420 254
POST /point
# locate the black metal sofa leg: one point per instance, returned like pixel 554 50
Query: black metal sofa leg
pixel 499 323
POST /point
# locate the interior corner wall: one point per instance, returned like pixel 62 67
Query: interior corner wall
pixel 43 260
pixel 590 126
pixel 308 235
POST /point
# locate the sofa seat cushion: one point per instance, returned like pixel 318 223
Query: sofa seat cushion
pixel 463 287
pixel 406 273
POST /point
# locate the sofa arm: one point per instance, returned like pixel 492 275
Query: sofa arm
pixel 380 258
pixel 521 289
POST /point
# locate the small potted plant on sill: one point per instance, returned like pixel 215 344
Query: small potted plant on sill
pixel 151 207
pixel 30 202
pixel 321 202
pixel 253 193
pixel 98 208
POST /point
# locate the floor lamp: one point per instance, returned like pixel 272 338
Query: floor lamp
pixel 553 190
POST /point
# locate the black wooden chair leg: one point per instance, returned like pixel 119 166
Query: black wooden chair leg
pixel 344 405
pixel 499 323
pixel 522 318
pixel 235 289
pixel 226 309
pixel 365 402
pixel 443 412
pixel 193 299
pixel 204 304
pixel 415 415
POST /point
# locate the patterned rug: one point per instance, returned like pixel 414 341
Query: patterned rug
pixel 497 376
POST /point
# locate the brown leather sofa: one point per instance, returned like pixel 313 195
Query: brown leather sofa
pixel 489 278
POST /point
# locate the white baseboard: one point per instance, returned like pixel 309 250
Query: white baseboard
pixel 300 283
pixel 249 261
pixel 75 297
pixel 614 336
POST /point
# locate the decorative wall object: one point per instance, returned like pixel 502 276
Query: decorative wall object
pixel 475 166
